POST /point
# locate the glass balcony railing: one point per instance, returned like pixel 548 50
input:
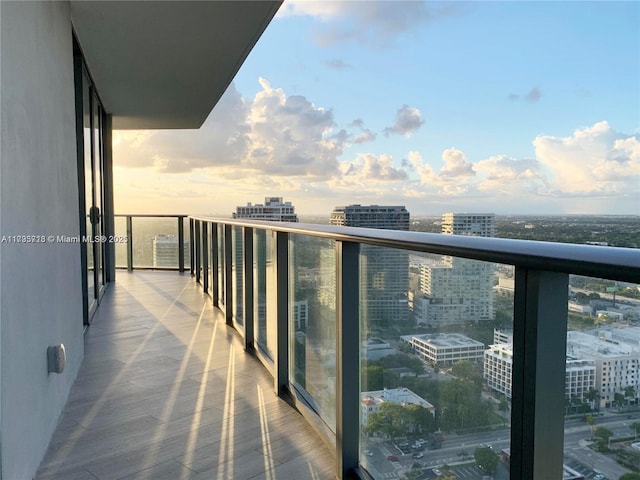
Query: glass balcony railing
pixel 152 242
pixel 421 355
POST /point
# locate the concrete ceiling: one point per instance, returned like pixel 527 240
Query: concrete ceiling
pixel 165 64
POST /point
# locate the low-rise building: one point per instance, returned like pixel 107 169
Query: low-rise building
pixel 376 348
pixel 444 349
pixel 370 402
pixel 580 376
pixel 616 355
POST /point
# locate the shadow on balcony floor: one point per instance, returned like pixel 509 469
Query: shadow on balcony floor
pixel 166 392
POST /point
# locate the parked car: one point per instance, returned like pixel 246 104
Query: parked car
pixel 418 455
pixel 392 458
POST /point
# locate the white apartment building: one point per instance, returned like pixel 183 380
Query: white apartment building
pixel 616 355
pixel 445 348
pixel 473 224
pixel 370 402
pixel 165 251
pixel 580 377
pixel 274 210
pixel 498 362
pixel 459 289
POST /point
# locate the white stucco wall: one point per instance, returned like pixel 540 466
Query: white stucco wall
pixel 40 284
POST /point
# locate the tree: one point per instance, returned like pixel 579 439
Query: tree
pixel 629 393
pixel 630 476
pixel 465 370
pixel 372 377
pixel 420 419
pixel 618 399
pixel 635 426
pixel 486 459
pixel 593 396
pixel 603 434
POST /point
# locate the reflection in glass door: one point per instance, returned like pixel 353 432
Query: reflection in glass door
pixel 93 194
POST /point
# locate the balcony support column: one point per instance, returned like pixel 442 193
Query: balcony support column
pixel 281 298
pixel 198 245
pixel 347 357
pixel 247 288
pixel 181 244
pixel 538 381
pixel 129 243
pixel 228 280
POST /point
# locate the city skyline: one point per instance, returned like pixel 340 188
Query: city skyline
pixel 451 106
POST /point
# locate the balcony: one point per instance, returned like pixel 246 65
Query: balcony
pixel 186 376
pixel 166 391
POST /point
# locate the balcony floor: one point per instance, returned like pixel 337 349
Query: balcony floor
pixel 166 391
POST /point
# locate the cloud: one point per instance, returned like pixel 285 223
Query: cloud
pixel 375 24
pixel 272 133
pixel 370 167
pixel 505 174
pixel 408 120
pixel 532 96
pixel 365 134
pixel 451 179
pixel 594 160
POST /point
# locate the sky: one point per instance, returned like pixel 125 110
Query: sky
pixel 505 107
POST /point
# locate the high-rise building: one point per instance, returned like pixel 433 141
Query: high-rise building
pixel 371 216
pixel 473 224
pixel 274 209
pixel 165 251
pixel 384 271
pixel 458 289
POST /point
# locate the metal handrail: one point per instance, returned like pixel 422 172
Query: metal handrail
pixel 614 263
pixel 539 326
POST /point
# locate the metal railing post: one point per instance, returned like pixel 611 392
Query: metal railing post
pixel 192 247
pixel 129 243
pixel 181 244
pixel 247 287
pixel 281 297
pixel 205 257
pixel 215 266
pixel 198 245
pixel 347 357
pixel 538 378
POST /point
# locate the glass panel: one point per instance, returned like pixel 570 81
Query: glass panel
pixel 436 365
pixel 120 231
pixel 238 275
pixel 312 313
pixel 602 418
pixel 155 242
pixel 187 237
pixel 264 306
pixel 88 184
pixel 221 263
